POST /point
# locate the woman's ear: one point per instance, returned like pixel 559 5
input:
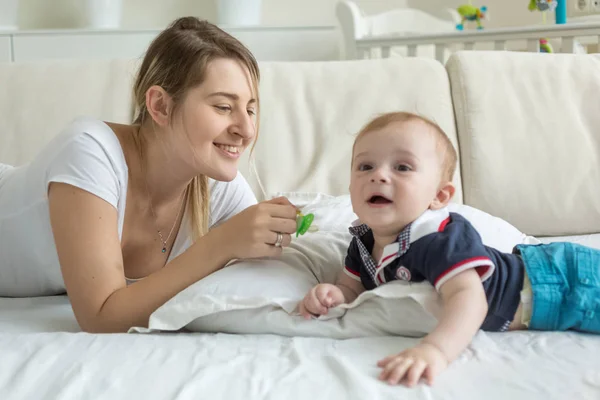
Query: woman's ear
pixel 444 195
pixel 158 103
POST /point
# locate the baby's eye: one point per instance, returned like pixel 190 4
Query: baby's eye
pixel 364 167
pixel 403 168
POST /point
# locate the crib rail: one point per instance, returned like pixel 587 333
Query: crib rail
pixel 495 39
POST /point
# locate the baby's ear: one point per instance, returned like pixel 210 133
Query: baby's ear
pixel 444 195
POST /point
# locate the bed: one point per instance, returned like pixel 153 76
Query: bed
pixel 494 117
pixel 45 357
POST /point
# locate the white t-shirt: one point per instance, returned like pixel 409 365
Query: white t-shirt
pixel 88 155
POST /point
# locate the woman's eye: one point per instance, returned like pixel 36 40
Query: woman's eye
pixel 403 168
pixel 364 167
pixel 251 112
pixel 223 108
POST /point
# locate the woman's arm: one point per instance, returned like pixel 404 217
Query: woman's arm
pixel 89 251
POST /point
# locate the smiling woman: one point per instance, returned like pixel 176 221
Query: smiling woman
pixel 119 214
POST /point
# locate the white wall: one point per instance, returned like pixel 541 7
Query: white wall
pixel 48 14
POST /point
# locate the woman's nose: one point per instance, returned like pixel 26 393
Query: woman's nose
pixel 245 126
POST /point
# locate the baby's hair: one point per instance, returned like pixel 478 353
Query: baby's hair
pixel 447 150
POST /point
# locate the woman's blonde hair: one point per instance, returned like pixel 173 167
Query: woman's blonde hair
pixel 177 60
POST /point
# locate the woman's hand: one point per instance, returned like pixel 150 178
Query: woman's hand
pixel 253 232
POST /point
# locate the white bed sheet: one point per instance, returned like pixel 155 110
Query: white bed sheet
pixel 45 357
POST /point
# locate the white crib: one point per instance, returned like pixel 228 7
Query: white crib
pixel 407 32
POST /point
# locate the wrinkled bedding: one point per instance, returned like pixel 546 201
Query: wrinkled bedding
pixel 44 356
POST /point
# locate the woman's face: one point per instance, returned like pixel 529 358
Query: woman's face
pixel 216 121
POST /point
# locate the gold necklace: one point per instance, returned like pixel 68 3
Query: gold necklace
pixel 160 235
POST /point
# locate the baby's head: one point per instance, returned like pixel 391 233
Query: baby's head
pixel 402 165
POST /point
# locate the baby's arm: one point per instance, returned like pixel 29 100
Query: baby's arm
pixel 324 296
pixel 351 288
pixel 465 307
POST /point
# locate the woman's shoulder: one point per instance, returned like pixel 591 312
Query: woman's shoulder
pixel 85 139
pixel 239 184
pixel 86 154
pixel 229 198
pixel 93 132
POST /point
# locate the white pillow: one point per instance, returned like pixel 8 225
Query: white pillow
pixel 260 296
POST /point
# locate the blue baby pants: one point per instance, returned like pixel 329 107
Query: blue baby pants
pixel 565 280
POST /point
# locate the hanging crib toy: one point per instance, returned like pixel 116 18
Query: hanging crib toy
pixel 543 6
pixel 469 12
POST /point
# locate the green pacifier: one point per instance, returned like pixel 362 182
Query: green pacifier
pixel 303 223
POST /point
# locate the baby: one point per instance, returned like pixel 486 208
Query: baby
pixel 400 186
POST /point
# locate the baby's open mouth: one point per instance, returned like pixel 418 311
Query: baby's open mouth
pixel 379 199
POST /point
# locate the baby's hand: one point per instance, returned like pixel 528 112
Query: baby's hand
pixel 424 360
pixel 320 299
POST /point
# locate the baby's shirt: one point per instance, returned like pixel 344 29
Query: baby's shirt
pixel 436 247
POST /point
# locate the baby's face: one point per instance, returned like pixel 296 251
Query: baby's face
pixel 396 174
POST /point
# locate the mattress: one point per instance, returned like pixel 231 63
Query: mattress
pixel 45 356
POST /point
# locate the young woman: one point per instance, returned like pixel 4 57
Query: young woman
pixel 123 217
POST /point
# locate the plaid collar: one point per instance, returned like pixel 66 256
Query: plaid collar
pixel 429 222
